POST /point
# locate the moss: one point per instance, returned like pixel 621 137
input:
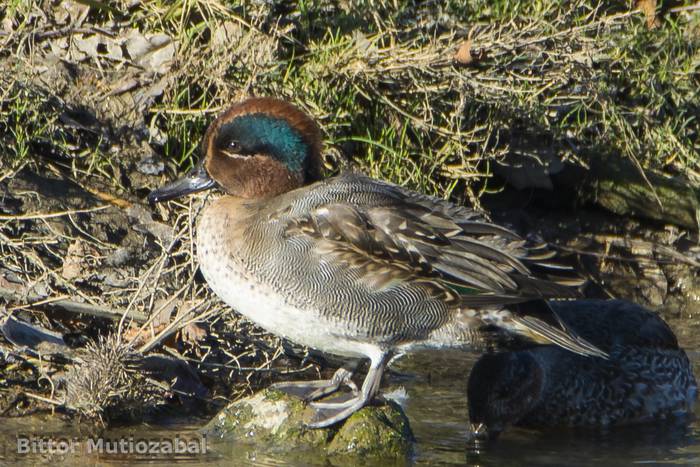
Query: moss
pixel 618 186
pixel 376 432
pixel 274 422
pixel 274 395
pixel 229 422
pixel 269 419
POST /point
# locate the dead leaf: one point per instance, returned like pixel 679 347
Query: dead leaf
pixel 164 309
pixel 193 333
pixel 11 287
pixel 464 53
pixel 154 52
pixel 136 337
pixel 75 261
pixel 95 45
pixel 648 7
pixel 467 56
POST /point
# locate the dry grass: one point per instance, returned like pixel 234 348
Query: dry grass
pixel 158 306
pixel 101 380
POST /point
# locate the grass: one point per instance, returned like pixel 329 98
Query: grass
pixel 581 77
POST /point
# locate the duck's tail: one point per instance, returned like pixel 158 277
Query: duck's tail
pixel 537 321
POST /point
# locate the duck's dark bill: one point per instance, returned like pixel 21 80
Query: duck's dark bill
pixel 196 180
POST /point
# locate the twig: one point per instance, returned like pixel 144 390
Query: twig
pixel 155 313
pixel 65 304
pixel 659 249
pixel 43 399
pixel 28 217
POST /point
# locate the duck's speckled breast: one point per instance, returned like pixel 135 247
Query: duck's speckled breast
pixel 235 246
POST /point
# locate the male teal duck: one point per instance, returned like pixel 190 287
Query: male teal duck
pixel 350 265
pixel 646 377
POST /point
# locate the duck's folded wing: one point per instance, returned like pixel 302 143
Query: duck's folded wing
pixel 536 256
pixel 473 257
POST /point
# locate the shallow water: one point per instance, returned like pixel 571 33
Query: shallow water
pixel 437 408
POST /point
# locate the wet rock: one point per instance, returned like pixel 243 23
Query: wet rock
pixel 374 429
pixel 267 418
pixel 274 422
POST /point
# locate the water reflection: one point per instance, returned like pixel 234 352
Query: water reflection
pixel 438 414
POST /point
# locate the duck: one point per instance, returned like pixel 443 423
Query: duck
pixel 350 265
pixel 646 376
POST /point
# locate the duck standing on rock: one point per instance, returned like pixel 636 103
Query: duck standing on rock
pixel 350 265
pixel 646 377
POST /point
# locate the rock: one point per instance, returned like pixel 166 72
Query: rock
pixel 150 166
pixel 120 257
pixel 275 422
pixel 382 429
pixel 141 222
pixel 618 185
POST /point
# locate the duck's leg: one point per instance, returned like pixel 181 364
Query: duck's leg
pixel 312 390
pixel 329 413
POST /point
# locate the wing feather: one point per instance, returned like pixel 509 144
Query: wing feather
pixel 418 236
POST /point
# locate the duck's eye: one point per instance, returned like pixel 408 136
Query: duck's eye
pixel 233 145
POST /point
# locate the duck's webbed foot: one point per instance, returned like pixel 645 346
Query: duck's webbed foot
pixel 340 408
pixel 312 390
pixel 327 414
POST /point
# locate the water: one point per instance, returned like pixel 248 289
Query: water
pixel 437 409
pixel 436 406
